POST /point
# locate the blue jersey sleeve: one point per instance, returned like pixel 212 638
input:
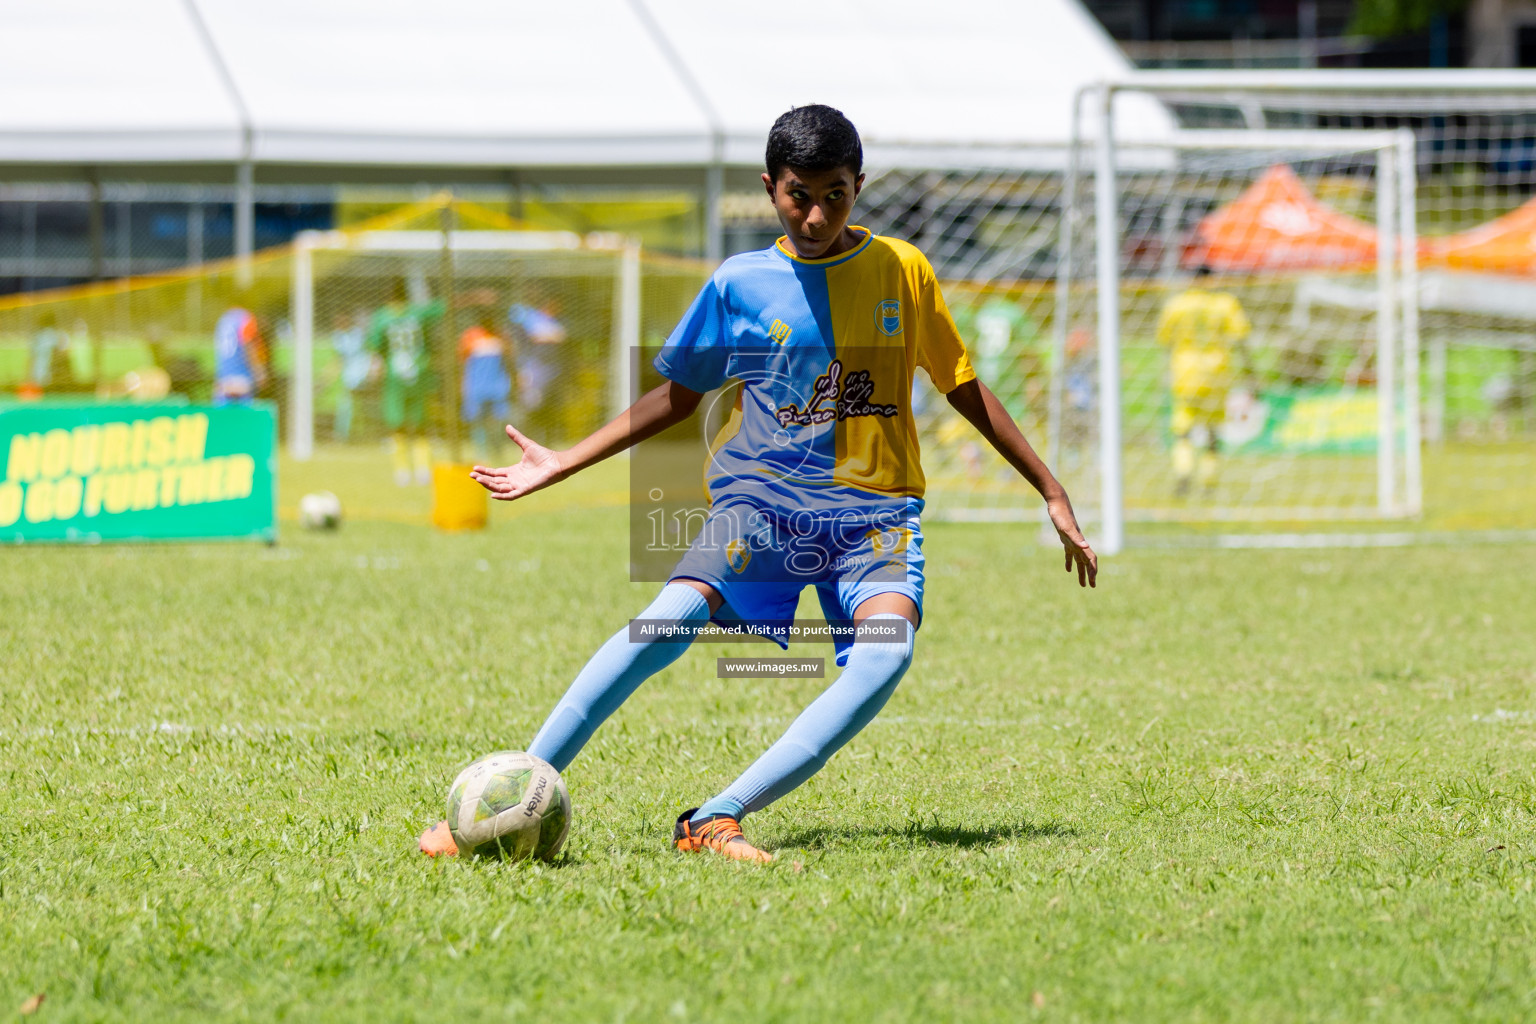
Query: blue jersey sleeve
pixel 697 355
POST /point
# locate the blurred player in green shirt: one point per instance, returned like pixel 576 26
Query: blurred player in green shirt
pixel 1004 343
pixel 398 332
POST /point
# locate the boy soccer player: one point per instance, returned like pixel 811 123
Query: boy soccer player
pixel 815 480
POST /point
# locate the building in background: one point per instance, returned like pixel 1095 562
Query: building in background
pixel 54 234
pixel 1322 33
pixel 1240 34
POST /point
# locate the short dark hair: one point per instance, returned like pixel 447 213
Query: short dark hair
pixel 813 138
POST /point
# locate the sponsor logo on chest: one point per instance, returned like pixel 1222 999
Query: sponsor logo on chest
pixel 836 397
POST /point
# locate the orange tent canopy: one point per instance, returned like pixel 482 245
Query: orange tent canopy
pixel 1506 245
pixel 1276 224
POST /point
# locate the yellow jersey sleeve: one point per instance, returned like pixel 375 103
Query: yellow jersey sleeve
pixel 940 351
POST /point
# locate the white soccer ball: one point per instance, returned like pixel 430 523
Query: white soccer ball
pixel 509 804
pixel 320 511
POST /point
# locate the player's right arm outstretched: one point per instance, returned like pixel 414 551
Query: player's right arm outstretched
pixel 656 410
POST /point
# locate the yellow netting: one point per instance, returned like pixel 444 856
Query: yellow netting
pixel 144 336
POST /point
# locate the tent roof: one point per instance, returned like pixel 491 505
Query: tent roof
pixel 1505 245
pixel 483 83
pixel 137 84
pixel 1276 224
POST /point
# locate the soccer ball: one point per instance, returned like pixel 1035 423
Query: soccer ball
pixel 509 804
pixel 320 511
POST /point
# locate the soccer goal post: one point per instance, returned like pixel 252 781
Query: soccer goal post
pixel 566 308
pixel 1236 334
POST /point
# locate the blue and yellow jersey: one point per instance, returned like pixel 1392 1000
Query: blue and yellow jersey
pixel 825 351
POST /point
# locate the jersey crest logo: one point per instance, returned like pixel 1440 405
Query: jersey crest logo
pixel 737 554
pixel 888 317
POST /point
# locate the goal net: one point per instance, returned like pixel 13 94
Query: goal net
pixel 449 334
pixel 1386 372
pixel 1464 391
pixel 1277 414
pixel 1244 300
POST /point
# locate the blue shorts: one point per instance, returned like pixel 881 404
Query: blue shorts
pixel 759 561
pixel 476 406
pixel 486 384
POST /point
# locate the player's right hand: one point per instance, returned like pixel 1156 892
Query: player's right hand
pixel 540 468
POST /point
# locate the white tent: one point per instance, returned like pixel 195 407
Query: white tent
pixel 481 83
pixel 284 85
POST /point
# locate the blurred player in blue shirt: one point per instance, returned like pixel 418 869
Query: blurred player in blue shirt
pixel 540 347
pixel 240 358
pixel 349 342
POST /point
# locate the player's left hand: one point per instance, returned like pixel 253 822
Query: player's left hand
pixel 1073 543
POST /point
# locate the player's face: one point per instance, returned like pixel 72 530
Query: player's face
pixel 814 207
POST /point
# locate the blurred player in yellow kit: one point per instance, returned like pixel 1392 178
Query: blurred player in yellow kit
pixel 1202 328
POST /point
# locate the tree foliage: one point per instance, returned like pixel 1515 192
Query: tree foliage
pixel 1383 19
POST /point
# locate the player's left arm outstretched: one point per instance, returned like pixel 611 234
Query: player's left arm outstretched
pixel 976 402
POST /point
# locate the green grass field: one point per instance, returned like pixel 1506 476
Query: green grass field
pixel 1226 786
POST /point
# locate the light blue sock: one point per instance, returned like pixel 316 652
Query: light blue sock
pixel 343 428
pixel 614 672
pixel 834 718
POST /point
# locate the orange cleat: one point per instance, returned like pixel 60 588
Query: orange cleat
pixel 720 833
pixel 437 841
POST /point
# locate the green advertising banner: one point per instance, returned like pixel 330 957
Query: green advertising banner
pixel 86 472
pixel 1308 420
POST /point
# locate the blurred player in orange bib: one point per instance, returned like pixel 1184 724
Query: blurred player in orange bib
pixel 486 383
